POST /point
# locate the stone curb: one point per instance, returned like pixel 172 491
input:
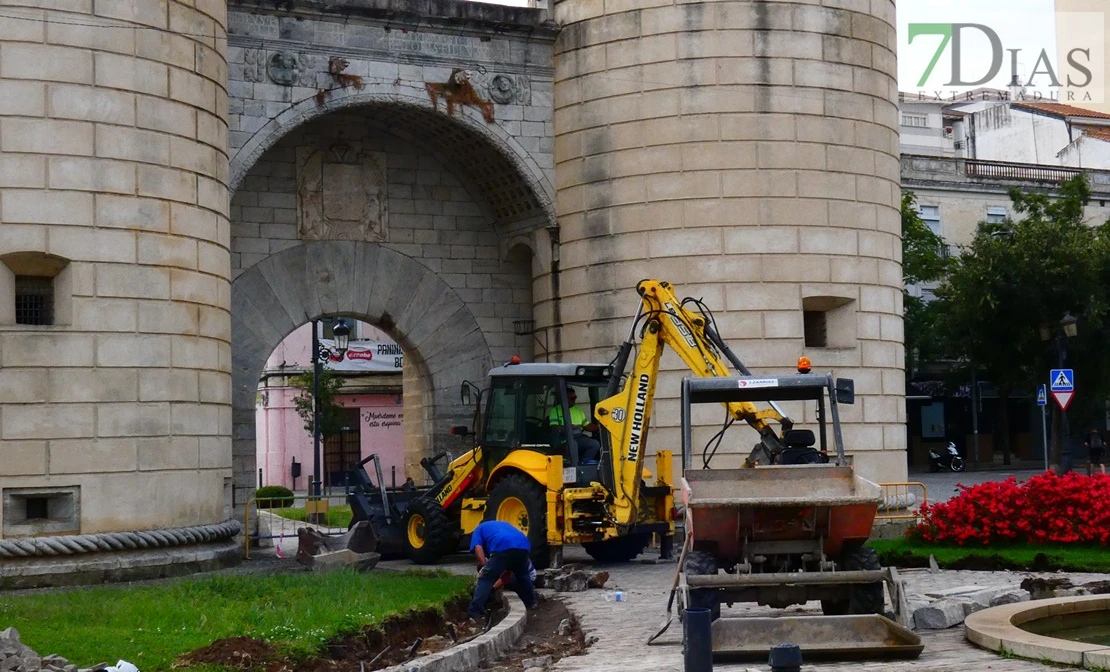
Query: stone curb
pixel 474 654
pixel 997 629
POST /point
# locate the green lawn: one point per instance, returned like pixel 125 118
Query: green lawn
pixel 152 625
pixel 339 515
pixel 1066 558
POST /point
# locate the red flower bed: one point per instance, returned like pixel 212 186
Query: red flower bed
pixel 1046 509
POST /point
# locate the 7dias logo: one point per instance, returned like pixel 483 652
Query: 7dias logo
pixel 1070 68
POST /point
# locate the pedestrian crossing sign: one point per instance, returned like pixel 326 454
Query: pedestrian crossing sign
pixel 1062 380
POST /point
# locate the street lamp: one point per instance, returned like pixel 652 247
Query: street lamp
pixel 342 334
pixel 1069 328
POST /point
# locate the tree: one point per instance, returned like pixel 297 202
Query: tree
pixel 1018 276
pixel 923 261
pixel 331 413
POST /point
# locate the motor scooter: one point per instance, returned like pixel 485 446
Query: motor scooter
pixel 946 459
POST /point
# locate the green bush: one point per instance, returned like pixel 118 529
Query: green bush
pixel 274 497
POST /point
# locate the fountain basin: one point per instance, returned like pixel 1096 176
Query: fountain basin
pixel 1047 630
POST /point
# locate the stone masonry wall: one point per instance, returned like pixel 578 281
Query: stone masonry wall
pixel 431 218
pixel 746 152
pixel 113 159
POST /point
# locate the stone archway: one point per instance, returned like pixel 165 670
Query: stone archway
pixel 373 283
pixel 497 161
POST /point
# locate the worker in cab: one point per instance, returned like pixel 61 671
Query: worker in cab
pixel 588 448
pixel 500 547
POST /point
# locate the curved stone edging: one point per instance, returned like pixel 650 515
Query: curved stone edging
pixel 473 655
pixel 997 629
pixel 118 541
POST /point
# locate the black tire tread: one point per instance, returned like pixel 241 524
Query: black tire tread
pixel 532 494
pixel 437 528
pixel 701 563
pixel 621 549
pixel 865 598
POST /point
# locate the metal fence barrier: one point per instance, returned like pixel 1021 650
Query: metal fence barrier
pixel 902 501
pixel 279 518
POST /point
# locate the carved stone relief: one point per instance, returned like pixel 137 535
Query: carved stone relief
pixel 505 89
pixel 341 193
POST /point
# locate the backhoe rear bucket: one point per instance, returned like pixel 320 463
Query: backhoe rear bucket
pixel 867 637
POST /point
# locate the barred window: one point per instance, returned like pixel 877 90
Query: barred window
pixel 34 299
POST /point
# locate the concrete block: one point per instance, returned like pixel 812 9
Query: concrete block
pixel 133 350
pixel 136 213
pixel 179 452
pixel 91 457
pixel 47 136
pixel 168 183
pixel 1009 597
pixel 131 74
pixel 166 115
pixel 939 615
pixel 54 350
pixel 157 249
pixel 125 420
pixel 23 458
pixel 93 385
pixel 49 421
pixel 133 281
pixel 25 206
pixel 48 63
pixel 98 175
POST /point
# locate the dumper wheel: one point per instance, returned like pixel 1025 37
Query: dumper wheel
pixel 621 549
pixel 865 598
pixel 520 500
pixel 700 563
pixel 427 531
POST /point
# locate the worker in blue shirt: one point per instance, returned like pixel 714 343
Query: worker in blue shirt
pixel 499 546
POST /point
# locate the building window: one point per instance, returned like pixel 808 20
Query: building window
pixel 915 120
pixel 816 329
pixel 36 289
pixel 829 322
pixel 931 216
pixel 34 299
pixel 35 511
pixel 996 215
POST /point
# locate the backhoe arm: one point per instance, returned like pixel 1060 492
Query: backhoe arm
pixel 626 414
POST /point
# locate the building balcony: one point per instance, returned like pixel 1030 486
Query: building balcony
pixel 957 172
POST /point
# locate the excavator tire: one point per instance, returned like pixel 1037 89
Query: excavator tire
pixel 520 500
pixel 621 549
pixel 864 598
pixel 426 530
pixel 700 563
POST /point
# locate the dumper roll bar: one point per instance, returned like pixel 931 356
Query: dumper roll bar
pixel 769 389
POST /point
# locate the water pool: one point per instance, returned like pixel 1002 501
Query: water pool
pixel 1091 627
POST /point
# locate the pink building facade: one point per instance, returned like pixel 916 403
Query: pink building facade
pixel 372 373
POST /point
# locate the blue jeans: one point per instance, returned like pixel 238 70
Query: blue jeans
pixel 514 560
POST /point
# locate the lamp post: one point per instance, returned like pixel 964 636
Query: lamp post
pixel 342 334
pixel 1069 329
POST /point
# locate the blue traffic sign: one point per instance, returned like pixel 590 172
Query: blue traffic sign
pixel 1042 396
pixel 1062 380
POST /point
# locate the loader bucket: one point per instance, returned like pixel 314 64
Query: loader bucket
pixel 867 637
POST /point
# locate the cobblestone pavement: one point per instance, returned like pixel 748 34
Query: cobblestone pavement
pixel 622 628
pixel 941 486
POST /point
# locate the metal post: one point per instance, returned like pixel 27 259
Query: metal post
pixel 975 416
pixel 698 640
pixel 1044 432
pixel 1065 433
pixel 315 487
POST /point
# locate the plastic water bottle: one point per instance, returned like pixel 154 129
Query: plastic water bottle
pixel 615 596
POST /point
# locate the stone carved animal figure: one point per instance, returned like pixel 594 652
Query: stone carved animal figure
pixel 459 91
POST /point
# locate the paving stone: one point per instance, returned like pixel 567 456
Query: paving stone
pixel 939 615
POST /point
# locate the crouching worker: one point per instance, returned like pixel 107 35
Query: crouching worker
pixel 499 548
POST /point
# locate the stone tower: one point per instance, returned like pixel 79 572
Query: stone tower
pixel 747 151
pixel 114 292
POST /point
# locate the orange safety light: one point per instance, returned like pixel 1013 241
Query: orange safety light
pixel 514 359
pixel 803 365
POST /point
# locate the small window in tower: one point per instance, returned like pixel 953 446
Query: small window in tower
pixel 816 330
pixel 37 508
pixel 34 299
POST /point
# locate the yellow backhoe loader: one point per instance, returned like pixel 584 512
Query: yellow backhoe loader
pixel 530 463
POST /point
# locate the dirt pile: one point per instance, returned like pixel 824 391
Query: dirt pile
pixel 395 640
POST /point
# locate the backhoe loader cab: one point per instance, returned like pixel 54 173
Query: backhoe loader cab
pixel 529 408
pixel 538 463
